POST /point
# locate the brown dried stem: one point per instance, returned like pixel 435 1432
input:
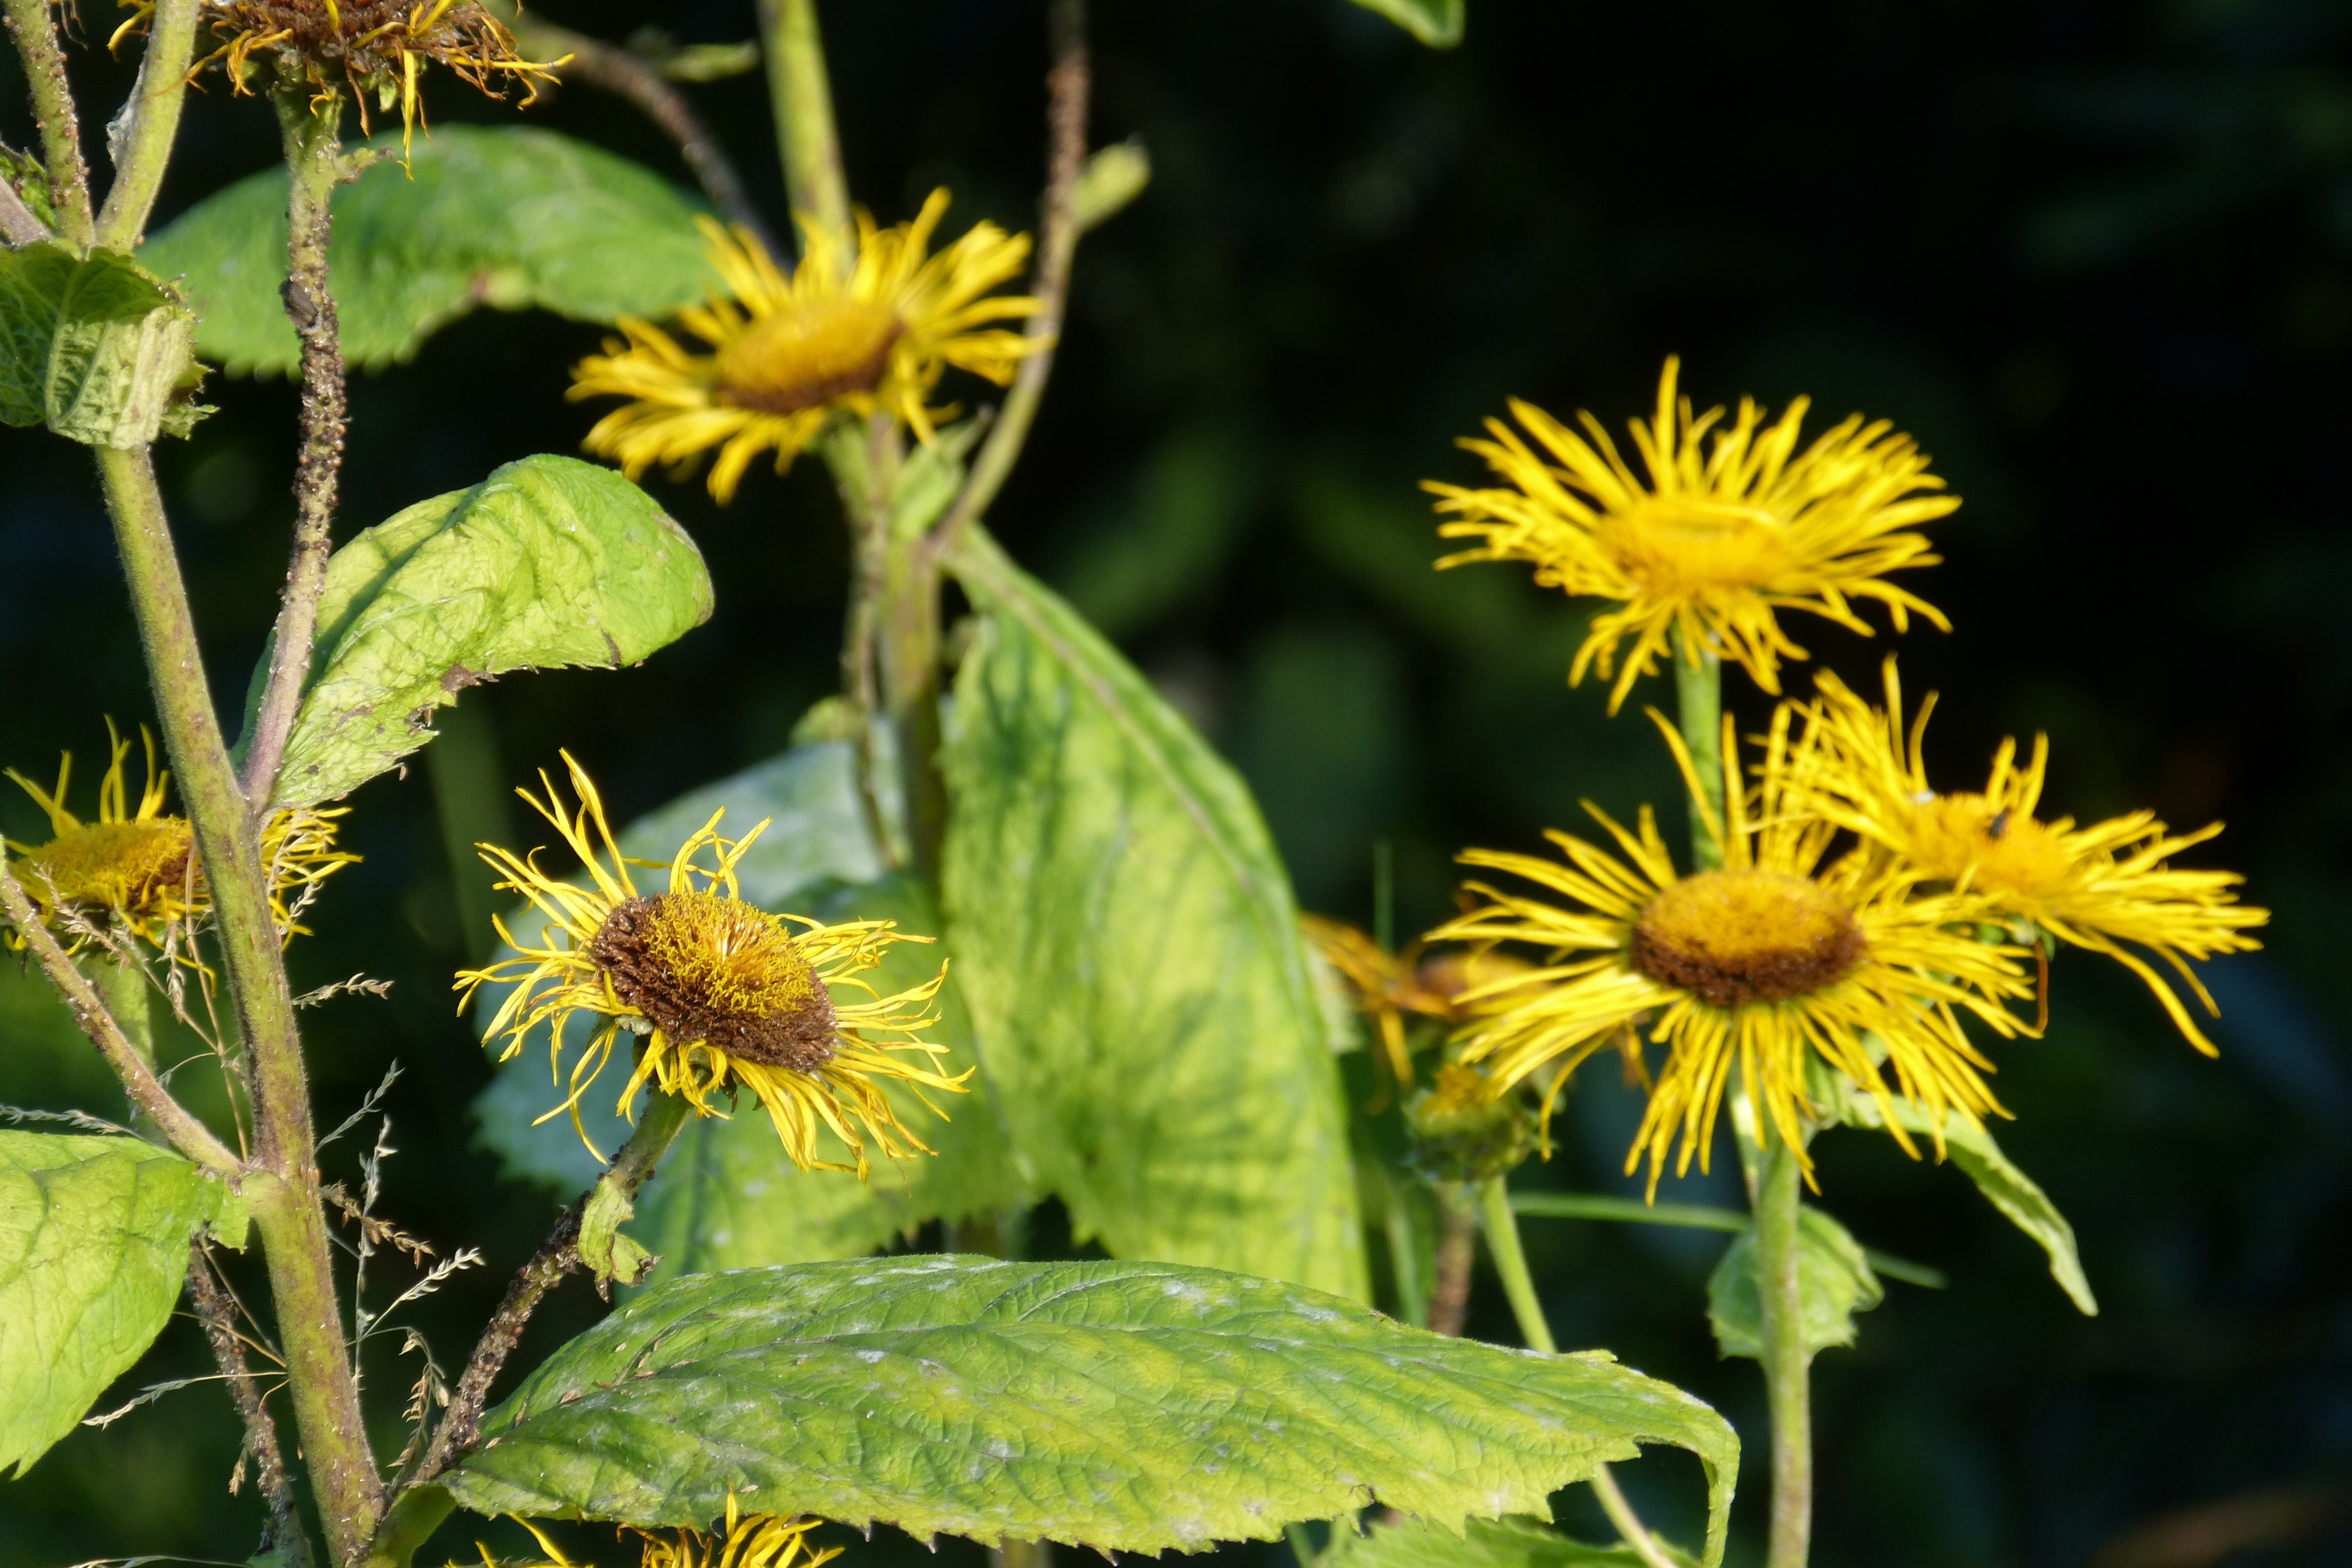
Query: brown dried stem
pixel 217 1310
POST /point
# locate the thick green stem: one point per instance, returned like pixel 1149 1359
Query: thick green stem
pixel 802 101
pixel 125 988
pixel 1011 1553
pixel 1787 1362
pixel 1502 1223
pixel 910 695
pixel 1698 693
pixel 469 798
pixel 154 123
pixel 35 29
pixel 284 1193
pixel 1457 1252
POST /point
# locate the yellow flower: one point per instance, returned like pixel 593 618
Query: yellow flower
pixel 1719 536
pixel 138 869
pixel 865 322
pixel 2096 887
pixel 718 993
pixel 1761 964
pixel 756 1541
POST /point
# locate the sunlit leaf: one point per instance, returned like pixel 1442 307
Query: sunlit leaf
pixel 1128 944
pixel 1485 1544
pixel 508 216
pixel 1128 1406
pixel 549 561
pixel 93 1246
pixel 94 347
pixel 1437 23
pixel 1834 1281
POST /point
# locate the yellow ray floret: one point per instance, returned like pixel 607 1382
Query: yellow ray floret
pixel 1760 965
pixel 2106 887
pixel 717 992
pixel 867 322
pixel 752 1541
pixel 1725 526
pixel 137 867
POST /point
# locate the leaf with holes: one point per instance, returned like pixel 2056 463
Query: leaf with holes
pixel 1834 1281
pixel 93 1246
pixel 1128 1406
pixel 509 216
pixel 1126 938
pixel 549 561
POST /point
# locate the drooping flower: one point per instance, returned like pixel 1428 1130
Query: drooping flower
pixel 866 322
pixel 1714 538
pixel 1387 987
pixel 138 867
pixel 716 992
pixel 2106 887
pixel 1775 958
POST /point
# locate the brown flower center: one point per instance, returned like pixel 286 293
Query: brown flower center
pixel 1730 937
pixel 706 968
pixel 808 356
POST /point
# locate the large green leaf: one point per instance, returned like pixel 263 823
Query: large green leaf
pixel 1485 1544
pixel 2007 1188
pixel 507 216
pixel 1437 23
pixel 93 347
pixel 1834 1281
pixel 1128 1406
pixel 1128 944
pixel 549 561
pixel 726 1196
pixel 93 1245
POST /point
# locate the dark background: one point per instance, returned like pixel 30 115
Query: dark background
pixel 2097 257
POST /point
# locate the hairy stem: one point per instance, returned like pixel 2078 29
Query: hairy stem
pixel 1502 1226
pixel 557 1257
pixel 188 1135
pixel 1787 1364
pixel 1698 700
pixel 311 132
pixel 1067 87
pixel 154 110
pixel 285 1200
pixel 626 75
pixel 1457 1250
pixel 802 96
pixel 33 26
pixel 216 1311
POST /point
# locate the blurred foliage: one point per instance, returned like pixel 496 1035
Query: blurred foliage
pixel 1351 249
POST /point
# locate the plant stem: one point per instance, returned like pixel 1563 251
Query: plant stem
pixel 1010 1553
pixel 470 800
pixel 283 1192
pixel 909 637
pixel 1497 1214
pixel 154 114
pixel 557 1257
pixel 310 131
pixel 17 223
pixel 217 1310
pixel 1698 693
pixel 1787 1362
pixel 125 988
pixel 1068 84
pixel 35 32
pixel 803 102
pixel 1457 1250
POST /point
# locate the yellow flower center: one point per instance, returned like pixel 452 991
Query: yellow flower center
pixel 1684 543
pixel 703 968
pixel 134 868
pixel 1734 937
pixel 808 356
pixel 2011 851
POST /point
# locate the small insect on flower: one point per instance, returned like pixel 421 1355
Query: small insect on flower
pixel 867 322
pixel 1720 535
pixel 138 869
pixel 2096 887
pixel 717 992
pixel 373 47
pixel 1771 960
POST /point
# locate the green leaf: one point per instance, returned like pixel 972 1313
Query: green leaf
pixel 1127 940
pixel 1834 1281
pixel 726 1196
pixel 549 561
pixel 508 216
pixel 1128 1406
pixel 93 1246
pixel 2007 1188
pixel 1485 1544
pixel 94 347
pixel 1437 23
